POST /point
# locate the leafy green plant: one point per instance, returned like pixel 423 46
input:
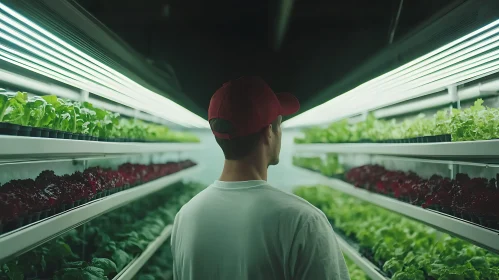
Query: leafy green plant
pixel 474 123
pixel 12 107
pixel 330 166
pixel 403 248
pixel 81 118
pixel 65 115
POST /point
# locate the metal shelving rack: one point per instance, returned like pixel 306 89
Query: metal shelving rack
pixel 70 69
pixel 26 238
pixel 479 235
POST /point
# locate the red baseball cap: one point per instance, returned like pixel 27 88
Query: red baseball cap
pixel 249 104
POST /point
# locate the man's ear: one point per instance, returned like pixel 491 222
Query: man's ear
pixel 267 133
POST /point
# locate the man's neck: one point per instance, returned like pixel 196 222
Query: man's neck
pixel 243 170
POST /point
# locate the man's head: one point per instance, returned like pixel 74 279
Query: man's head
pixel 245 116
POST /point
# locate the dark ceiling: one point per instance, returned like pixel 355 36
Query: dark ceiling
pixel 210 42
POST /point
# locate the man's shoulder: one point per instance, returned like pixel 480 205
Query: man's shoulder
pixel 196 201
pixel 291 204
pixel 274 200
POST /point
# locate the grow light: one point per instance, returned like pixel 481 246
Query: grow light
pixel 465 59
pixel 35 85
pixel 38 50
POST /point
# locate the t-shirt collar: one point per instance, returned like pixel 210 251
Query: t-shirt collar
pixel 238 184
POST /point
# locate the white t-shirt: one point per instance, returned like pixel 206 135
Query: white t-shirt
pixel 250 231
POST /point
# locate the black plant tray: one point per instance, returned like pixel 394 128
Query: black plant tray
pixel 422 139
pixel 9 128
pixel 19 130
pixel 36 132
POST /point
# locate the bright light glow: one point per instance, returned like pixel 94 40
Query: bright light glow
pixel 471 92
pixel 152 106
pixel 16 79
pixel 62 43
pixel 65 63
pixel 105 92
pixel 48 88
pixel 462 60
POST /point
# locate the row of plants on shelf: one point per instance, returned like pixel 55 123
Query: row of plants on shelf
pixel 477 122
pixel 26 201
pixel 329 166
pixel 403 249
pixel 159 267
pixel 103 247
pixel 53 117
pixel 472 199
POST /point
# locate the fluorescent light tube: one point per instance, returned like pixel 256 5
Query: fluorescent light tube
pixel 66 59
pixel 462 60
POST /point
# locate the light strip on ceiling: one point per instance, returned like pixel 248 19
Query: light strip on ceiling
pixel 68 50
pixel 56 51
pixel 488 88
pixel 482 52
pixel 438 85
pixel 92 63
pixel 107 93
pixel 442 52
pixel 460 61
pixel 64 62
pixel 51 56
pixel 47 88
pixel 380 93
pixel 442 56
pixel 57 47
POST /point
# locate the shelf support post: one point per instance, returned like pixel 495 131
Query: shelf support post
pixel 135 114
pixel 454 170
pixel 364 115
pixel 454 97
pixel 84 95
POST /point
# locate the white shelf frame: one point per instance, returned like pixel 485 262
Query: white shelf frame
pixel 35 147
pixel 463 149
pixel 136 264
pixel 476 234
pixel 19 241
pixel 363 263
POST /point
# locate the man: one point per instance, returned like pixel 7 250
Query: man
pixel 241 228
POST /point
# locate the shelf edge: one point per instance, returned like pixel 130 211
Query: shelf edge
pixel 463 149
pixel 135 265
pixel 363 263
pixel 34 147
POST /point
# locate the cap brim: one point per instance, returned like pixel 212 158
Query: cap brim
pixel 289 103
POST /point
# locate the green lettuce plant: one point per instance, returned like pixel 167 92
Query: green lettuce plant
pixel 12 107
pixel 477 122
pixel 81 118
pixel 403 248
